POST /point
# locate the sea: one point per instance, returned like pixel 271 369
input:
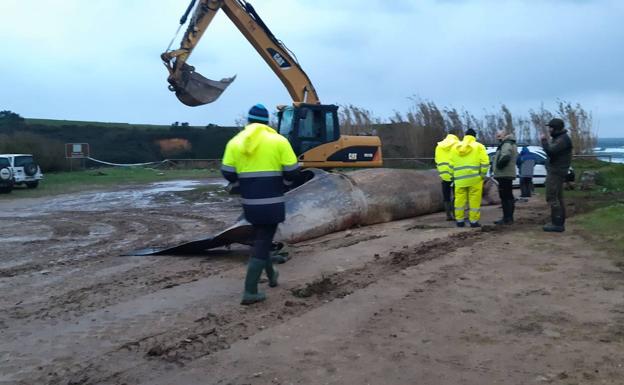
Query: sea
pixel 613 147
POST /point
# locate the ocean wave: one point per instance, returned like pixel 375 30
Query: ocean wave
pixel 612 150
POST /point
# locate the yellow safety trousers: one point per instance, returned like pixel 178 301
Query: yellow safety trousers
pixel 472 196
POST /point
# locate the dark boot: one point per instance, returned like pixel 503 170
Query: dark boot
pixel 512 209
pixel 552 228
pixel 448 207
pixel 503 220
pixel 557 222
pixel 508 207
pixel 272 273
pixel 254 271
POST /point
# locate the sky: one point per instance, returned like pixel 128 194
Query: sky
pixel 99 60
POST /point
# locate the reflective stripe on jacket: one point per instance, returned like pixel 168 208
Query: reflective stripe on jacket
pixel 469 162
pixel 443 156
pixel 260 159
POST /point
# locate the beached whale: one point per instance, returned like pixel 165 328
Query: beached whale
pixel 332 201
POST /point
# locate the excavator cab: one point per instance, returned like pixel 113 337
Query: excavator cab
pixel 314 133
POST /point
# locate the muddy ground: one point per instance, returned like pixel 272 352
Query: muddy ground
pixel 409 302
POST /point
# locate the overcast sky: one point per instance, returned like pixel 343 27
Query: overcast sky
pixel 99 59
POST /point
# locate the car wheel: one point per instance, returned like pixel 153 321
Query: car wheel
pixel 32 184
pixel 5 174
pixel 30 169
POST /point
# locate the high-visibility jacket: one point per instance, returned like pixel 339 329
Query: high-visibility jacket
pixel 469 162
pixel 443 156
pixel 260 159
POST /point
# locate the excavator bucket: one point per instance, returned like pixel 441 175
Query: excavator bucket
pixel 195 90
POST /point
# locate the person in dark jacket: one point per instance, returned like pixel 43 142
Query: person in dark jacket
pixel 559 151
pixel 526 165
pixel 260 160
pixel 504 170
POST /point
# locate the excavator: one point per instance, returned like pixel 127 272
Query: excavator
pixel 311 127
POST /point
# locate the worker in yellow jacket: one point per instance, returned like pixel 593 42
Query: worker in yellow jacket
pixel 442 160
pixel 260 159
pixel 469 165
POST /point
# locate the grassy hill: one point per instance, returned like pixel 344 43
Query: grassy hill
pixel 109 141
pixel 60 123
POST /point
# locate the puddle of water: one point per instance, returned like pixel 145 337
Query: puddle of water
pixel 153 195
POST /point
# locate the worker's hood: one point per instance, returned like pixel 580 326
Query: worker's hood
pixel 465 146
pixel 252 135
pixel 509 137
pixel 448 142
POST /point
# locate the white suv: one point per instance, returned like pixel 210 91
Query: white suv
pixel 25 170
pixel 6 176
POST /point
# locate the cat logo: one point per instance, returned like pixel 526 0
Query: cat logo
pixel 352 156
pixel 279 59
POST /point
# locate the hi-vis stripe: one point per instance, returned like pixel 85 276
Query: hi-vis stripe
pixel 259 174
pixel 466 168
pixel 228 168
pixel 263 201
pixel 466 176
pixel 292 167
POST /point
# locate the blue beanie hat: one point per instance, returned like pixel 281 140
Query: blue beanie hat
pixel 258 113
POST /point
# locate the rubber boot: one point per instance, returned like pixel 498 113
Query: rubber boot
pixel 508 209
pixel 272 273
pixel 448 207
pixel 504 219
pixel 512 209
pixel 254 271
pixel 557 222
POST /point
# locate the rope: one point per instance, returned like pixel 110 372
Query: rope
pixel 125 164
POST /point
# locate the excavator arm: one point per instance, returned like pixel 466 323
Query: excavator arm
pixel 193 89
pixel 312 128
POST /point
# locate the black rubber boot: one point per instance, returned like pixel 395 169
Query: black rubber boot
pixel 503 220
pixel 254 271
pixel 507 218
pixel 552 228
pixel 512 209
pixel 272 273
pixel 448 207
pixel 557 222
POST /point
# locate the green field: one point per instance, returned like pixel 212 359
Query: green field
pixel 56 183
pixel 603 206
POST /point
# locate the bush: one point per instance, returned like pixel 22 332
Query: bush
pixel 49 154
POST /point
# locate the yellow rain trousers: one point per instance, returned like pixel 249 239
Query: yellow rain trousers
pixel 472 196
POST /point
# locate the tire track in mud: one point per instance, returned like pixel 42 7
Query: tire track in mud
pixel 211 333
pixel 76 294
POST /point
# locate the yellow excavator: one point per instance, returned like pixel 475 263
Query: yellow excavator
pixel 311 127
